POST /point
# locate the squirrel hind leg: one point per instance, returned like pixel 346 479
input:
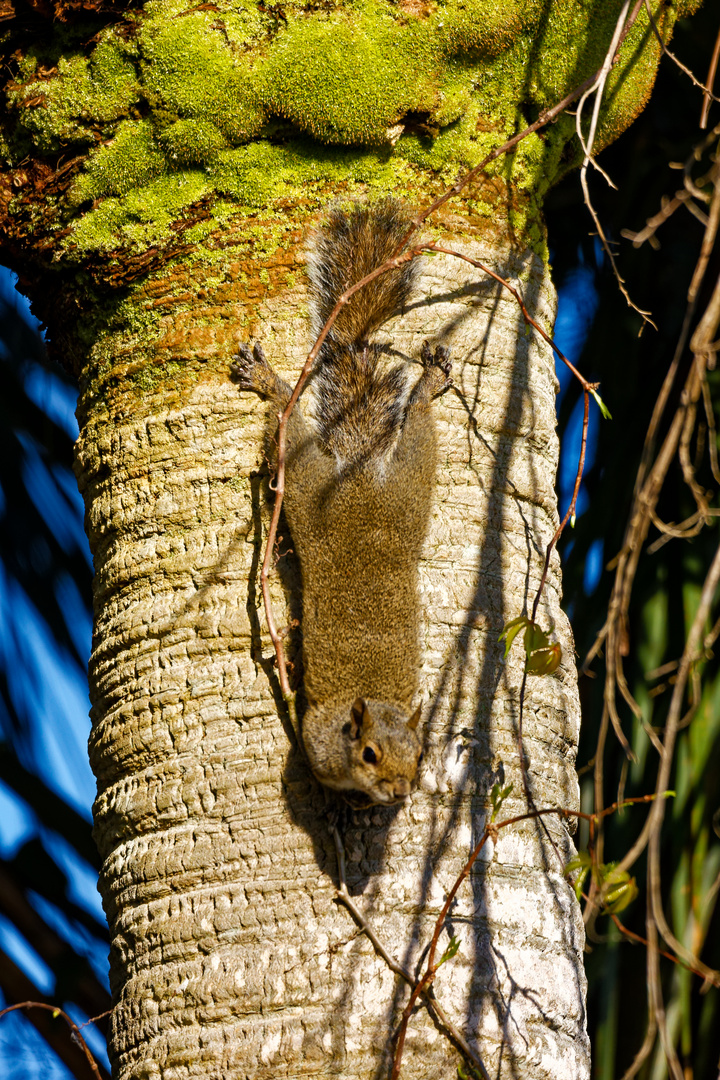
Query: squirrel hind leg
pixel 251 371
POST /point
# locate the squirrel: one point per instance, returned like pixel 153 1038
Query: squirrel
pixel 359 482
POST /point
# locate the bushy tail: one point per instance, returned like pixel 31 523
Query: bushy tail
pixel 350 245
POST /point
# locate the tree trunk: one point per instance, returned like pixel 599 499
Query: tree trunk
pixel 230 955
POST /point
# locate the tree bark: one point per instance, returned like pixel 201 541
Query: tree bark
pixel 230 955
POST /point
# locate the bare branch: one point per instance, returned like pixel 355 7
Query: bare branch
pixel 710 81
pixel 707 91
pixel 74 1029
pixel 597 88
pixel 343 897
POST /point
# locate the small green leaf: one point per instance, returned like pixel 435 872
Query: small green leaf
pixel 581 861
pixel 452 948
pixel 542 655
pixel 512 629
pixel 619 889
pixel 603 407
pixel 498 796
pixel 580 864
pixel 535 638
pixel 620 896
pixel 544 661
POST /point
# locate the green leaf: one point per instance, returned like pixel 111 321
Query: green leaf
pixel 542 655
pixel 512 629
pixel 603 407
pixel 498 796
pixel 619 889
pixel 544 661
pixel 580 864
pixel 452 948
pixel 581 861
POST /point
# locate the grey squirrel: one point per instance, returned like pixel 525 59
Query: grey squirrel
pixel 359 482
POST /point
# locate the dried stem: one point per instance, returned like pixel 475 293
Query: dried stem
pixel 710 82
pixel 74 1029
pixel 706 89
pixel 597 88
pixel 546 117
pixel 652 471
pixel 431 964
pixel 343 897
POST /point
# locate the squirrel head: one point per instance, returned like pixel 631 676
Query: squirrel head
pixel 383 750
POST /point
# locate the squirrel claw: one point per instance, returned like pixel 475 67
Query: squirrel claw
pixel 249 368
pixel 438 360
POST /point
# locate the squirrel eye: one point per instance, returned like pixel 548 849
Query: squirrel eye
pixel 369 755
pixel 422 755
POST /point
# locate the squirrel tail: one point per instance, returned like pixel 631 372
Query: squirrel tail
pixel 348 246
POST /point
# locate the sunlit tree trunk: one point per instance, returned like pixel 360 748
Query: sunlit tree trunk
pixel 230 956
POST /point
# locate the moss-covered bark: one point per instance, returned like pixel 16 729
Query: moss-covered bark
pixel 135 130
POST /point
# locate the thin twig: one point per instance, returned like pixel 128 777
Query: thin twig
pixel 74 1029
pixel 343 897
pixel 545 118
pixel 597 88
pixel 710 82
pixel 707 91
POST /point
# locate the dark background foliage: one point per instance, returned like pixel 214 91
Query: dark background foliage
pixel 631 367
pixel 53 941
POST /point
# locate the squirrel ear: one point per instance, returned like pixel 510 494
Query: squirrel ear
pixel 414 719
pixel 357 713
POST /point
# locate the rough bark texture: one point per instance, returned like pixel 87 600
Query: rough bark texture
pixel 230 957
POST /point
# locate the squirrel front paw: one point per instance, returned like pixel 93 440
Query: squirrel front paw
pixel 251 371
pixel 437 364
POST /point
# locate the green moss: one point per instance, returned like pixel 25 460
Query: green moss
pixel 481 26
pixel 131 160
pixel 99 89
pixel 191 142
pixel 142 217
pixel 349 79
pixel 242 107
pixel 192 66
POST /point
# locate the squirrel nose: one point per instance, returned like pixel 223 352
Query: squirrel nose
pixel 401 789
